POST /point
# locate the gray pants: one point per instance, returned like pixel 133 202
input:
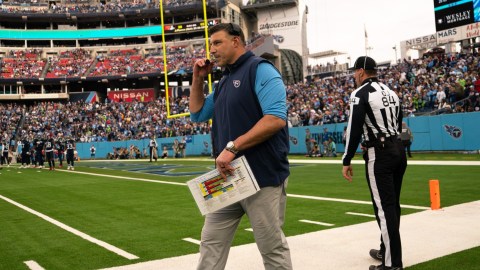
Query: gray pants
pixel 266 211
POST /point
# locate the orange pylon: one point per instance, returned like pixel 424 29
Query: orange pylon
pixel 435 194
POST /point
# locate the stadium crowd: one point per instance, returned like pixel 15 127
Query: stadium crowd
pixel 431 84
pixel 444 83
pixel 75 7
pixel 29 63
pixel 84 6
pixel 114 121
pixel 10 115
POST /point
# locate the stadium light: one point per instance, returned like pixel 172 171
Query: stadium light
pixel 396 58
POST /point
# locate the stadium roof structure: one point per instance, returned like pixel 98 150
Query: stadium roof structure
pixel 253 6
pixel 324 54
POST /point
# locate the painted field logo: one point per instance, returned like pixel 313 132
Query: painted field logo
pixel 160 169
pixel 453 131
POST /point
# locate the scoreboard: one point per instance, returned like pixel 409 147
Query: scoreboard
pixel 453 13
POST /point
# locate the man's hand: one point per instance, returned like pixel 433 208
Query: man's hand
pixel 347 172
pixel 223 163
pixel 200 70
pixel 202 67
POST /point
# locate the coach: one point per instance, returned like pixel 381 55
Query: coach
pixel 377 115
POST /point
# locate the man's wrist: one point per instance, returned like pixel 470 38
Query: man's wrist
pixel 231 147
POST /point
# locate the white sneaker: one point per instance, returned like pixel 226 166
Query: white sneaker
pixel 73 169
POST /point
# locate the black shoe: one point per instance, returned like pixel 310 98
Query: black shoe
pixel 376 254
pixel 381 267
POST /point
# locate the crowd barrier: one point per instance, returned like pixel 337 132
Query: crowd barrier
pixel 448 132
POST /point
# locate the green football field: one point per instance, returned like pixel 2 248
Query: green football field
pixel 140 211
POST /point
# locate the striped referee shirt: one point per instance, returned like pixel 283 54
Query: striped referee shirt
pixel 375 111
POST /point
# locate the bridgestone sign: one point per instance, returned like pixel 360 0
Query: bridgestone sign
pixel 267 26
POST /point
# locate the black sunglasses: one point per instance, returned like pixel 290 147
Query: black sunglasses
pixel 234 30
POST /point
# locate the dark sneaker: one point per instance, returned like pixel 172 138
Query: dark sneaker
pixel 376 254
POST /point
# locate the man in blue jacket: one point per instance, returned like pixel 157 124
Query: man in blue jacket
pixel 248 108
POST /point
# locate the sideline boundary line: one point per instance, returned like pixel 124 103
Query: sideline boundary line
pixel 67 228
pixel 128 178
pixel 351 201
pixel 313 161
pixel 288 194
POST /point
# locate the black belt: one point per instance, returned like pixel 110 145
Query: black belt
pixel 380 141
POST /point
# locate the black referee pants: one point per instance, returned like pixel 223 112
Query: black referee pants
pixel 385 166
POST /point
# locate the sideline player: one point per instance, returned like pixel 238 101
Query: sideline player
pixel 48 148
pixel 70 146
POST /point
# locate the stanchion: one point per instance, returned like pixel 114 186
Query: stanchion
pixel 435 194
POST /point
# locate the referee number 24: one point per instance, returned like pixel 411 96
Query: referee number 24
pixel 388 100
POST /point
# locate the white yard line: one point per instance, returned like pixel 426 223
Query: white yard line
pixel 316 222
pixel 72 230
pixel 33 265
pixel 351 201
pixel 359 214
pixel 191 240
pixel 249 229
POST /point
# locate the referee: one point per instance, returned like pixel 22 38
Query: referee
pixel 375 113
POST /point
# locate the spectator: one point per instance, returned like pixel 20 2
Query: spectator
pixel 407 138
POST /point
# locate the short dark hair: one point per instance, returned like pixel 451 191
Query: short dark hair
pixel 231 28
pixel 371 72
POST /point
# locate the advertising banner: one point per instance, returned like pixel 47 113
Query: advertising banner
pixel 143 95
pixel 424 42
pixel 471 30
pixel 449 35
pixel 453 13
pixel 284 25
pixel 458 33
